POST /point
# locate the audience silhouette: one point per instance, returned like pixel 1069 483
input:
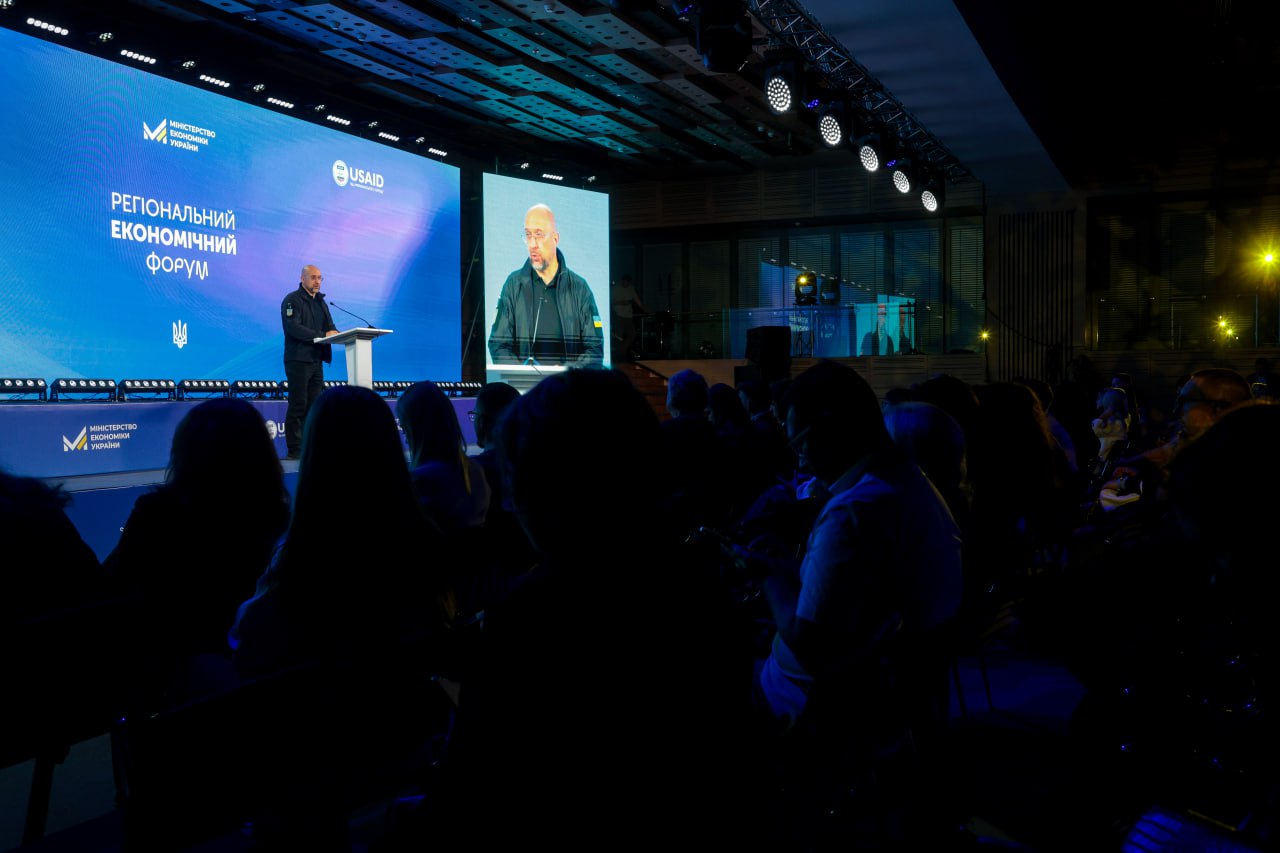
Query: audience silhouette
pixel 224 478
pixel 693 461
pixel 332 593
pixel 450 485
pixel 594 711
pixel 357 591
pixel 490 635
pixel 50 566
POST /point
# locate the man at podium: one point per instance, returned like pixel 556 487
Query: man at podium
pixel 305 317
pixel 546 312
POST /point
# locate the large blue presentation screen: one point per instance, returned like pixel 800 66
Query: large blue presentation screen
pixel 152 229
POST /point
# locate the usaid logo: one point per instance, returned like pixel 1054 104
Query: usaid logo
pixel 274 429
pixel 160 134
pixel 344 175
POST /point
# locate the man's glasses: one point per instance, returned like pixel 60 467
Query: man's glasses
pixel 538 236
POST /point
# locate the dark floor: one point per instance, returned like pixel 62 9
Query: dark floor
pixel 1020 778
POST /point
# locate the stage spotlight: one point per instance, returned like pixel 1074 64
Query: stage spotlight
pixel 196 388
pixel 900 167
pixel 145 389
pixel 390 137
pixel 902 176
pixel 782 81
pixel 391 388
pixel 328 383
pixel 806 288
pixel 261 389
pixel 833 124
pixel 47 27
pixel 66 390
pixel 869 145
pixel 459 389
pixel 438 152
pixel 214 81
pixel 777 89
pixel 277 102
pixel 933 195
pixel 138 57
pixel 336 119
pixel 22 389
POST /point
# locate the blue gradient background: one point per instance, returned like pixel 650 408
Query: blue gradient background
pixel 75 302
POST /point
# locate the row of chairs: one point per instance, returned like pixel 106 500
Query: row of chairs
pixel 293 754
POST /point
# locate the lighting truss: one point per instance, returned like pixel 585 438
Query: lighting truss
pixel 790 25
pixel 146 389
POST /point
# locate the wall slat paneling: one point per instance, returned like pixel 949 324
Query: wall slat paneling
pixel 1029 293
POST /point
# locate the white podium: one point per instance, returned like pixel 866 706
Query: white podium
pixel 359 346
pixel 522 377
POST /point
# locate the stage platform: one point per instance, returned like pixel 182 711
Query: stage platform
pixel 100 503
pixel 64 439
pixel 106 454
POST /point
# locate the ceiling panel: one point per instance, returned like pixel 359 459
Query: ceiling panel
pixel 620 87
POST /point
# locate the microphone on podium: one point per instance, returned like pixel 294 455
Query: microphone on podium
pixel 357 316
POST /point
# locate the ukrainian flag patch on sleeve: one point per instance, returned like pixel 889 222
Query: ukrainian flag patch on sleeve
pixel 595 321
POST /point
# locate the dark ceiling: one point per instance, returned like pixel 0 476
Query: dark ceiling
pixel 1117 91
pixel 1022 97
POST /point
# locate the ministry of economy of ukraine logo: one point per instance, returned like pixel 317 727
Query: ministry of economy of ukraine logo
pixel 179 134
pixel 80 442
pixel 160 134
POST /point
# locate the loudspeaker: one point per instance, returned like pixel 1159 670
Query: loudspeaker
pixel 769 348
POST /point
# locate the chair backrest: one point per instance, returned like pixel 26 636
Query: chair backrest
pixel 199 770
pixel 296 749
pixel 881 704
pixel 66 675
